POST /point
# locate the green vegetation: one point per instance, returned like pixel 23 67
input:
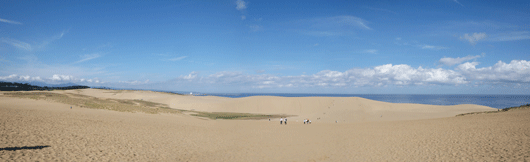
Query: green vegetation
pixel 131 105
pixel 230 115
pixel 7 86
pixel 116 91
pixel 500 110
pixel 98 103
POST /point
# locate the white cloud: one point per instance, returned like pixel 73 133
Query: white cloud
pixel 36 68
pixel 88 57
pixel 458 3
pixel 241 5
pixel 511 36
pixel 135 82
pixel 515 71
pixel 15 77
pixel 55 79
pixel 428 47
pixel 345 21
pixel 53 38
pixel 473 39
pixel 453 61
pixel 404 75
pixel 58 78
pixel 331 26
pixel 432 47
pixel 17 44
pixel 27 46
pixel 10 21
pixel 190 76
pixel 243 17
pixel 177 58
pixel 372 51
pixel 255 28
pixel 383 75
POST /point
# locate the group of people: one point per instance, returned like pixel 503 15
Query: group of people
pixel 282 120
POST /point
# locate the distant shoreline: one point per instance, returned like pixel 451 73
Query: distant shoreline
pixel 499 101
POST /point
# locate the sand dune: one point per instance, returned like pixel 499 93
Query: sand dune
pixel 318 109
pixel 48 131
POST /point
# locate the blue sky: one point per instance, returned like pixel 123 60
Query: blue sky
pixel 411 47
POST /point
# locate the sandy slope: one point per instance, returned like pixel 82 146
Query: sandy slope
pixel 81 134
pixel 318 109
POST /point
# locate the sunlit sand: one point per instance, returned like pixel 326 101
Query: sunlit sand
pixel 366 130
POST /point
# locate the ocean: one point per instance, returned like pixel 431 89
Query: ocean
pixel 494 101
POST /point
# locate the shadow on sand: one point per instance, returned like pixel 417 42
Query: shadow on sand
pixel 23 148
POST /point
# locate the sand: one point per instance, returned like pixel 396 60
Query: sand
pixel 48 131
pixel 325 109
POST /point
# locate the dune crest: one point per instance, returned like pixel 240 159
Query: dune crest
pixel 318 109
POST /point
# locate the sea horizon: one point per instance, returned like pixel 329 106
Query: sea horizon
pixel 498 101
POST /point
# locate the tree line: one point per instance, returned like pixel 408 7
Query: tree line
pixel 8 86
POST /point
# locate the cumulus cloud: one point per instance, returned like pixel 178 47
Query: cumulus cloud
pixel 241 5
pixel 515 71
pixel 10 21
pixel 383 75
pixel 474 38
pixel 404 75
pixel 57 77
pixel 16 43
pixel 453 61
pixel 15 77
pixel 54 79
pixel 191 76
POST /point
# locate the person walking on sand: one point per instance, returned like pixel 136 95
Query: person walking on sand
pixel 285 121
pixel 281 121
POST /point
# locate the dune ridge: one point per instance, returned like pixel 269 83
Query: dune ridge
pixel 321 109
